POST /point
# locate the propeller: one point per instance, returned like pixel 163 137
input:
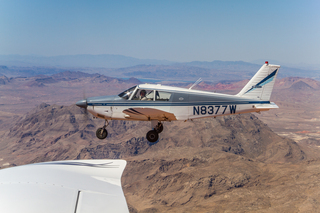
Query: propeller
pixel 84 104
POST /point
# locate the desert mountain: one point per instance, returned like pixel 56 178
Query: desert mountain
pixel 123 67
pixel 20 94
pixel 76 76
pixel 84 60
pixel 179 72
pixel 300 85
pixel 59 132
pixel 289 81
pixel 4 80
pixel 28 71
pixel 232 163
pixel 193 164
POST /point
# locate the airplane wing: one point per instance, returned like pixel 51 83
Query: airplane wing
pixel 148 114
pixel 78 186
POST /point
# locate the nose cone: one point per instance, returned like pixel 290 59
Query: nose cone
pixel 82 104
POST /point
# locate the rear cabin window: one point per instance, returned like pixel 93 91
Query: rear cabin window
pixel 162 96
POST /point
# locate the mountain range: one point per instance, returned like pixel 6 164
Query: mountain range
pixel 123 66
pixel 84 60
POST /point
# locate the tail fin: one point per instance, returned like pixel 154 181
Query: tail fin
pixel 261 85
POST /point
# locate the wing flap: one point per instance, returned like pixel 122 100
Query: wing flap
pixel 149 114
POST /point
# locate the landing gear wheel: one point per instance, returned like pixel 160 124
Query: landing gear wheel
pixel 159 128
pixel 101 133
pixel 152 136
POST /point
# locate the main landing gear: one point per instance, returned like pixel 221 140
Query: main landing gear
pixel 102 133
pixel 153 135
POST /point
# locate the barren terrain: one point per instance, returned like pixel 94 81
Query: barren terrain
pixel 228 164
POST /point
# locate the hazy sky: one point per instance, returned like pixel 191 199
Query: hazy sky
pixel 286 31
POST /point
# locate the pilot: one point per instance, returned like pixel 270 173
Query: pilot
pixel 143 95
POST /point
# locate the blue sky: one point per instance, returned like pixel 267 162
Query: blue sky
pixel 284 31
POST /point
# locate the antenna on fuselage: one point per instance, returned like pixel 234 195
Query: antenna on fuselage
pixel 195 83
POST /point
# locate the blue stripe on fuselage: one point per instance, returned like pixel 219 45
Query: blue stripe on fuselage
pixel 152 103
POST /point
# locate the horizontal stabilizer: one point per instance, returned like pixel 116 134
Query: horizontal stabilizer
pixel 266 106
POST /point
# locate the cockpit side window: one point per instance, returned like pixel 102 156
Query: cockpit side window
pixel 143 95
pixel 162 96
pixel 127 93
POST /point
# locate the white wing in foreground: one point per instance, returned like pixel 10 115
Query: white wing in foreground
pixel 79 186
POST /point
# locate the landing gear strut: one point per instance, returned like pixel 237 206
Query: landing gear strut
pixel 159 128
pixel 102 133
pixel 153 135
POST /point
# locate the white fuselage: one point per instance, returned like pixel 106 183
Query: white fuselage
pixel 183 104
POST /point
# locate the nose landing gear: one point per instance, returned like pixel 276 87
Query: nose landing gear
pixel 102 133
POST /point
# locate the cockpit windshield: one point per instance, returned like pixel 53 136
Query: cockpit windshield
pixel 126 94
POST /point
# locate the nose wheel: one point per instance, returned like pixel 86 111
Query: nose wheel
pixel 102 133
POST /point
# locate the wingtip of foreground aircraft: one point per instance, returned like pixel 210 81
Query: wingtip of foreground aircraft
pixel 158 103
pixel 63 186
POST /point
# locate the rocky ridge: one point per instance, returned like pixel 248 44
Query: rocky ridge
pixel 212 165
pixel 192 165
pixel 48 126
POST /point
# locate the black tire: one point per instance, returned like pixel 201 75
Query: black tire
pixel 101 133
pixel 152 136
pixel 159 128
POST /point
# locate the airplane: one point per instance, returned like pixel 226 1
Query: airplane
pixel 158 103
